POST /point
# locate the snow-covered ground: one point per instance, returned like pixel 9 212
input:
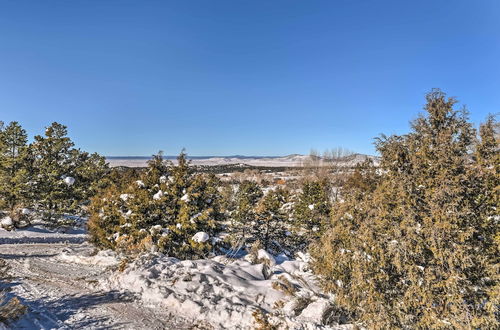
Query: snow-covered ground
pixel 230 294
pixel 62 294
pixel 40 234
pixel 67 284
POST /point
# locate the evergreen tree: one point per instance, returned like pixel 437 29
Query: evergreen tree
pixel 271 224
pixel 247 197
pixel 64 178
pixel 488 170
pixel 169 208
pixel 88 170
pixel 412 253
pixel 312 210
pixel 13 172
pixel 52 162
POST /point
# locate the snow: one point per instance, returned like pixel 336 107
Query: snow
pixel 102 258
pixel 40 234
pixel 63 294
pixel 69 181
pixel 6 222
pixel 225 293
pixel 200 237
pixel 311 207
pixel 140 183
pixel 158 195
pixel 124 197
pixel 266 257
pixel 221 292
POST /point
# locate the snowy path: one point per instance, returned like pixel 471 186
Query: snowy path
pixel 65 296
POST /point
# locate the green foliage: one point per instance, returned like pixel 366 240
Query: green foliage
pixel 64 178
pixel 417 249
pixel 246 199
pixel 271 225
pixel 13 171
pixel 312 209
pixel 49 175
pixel 165 209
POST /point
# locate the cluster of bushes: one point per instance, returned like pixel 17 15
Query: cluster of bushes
pixel 48 177
pixel 164 209
pixel 171 208
pixel 167 204
pixel 417 246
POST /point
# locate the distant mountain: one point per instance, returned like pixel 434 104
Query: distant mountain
pixel 294 160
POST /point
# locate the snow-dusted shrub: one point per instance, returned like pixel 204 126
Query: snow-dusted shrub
pixel 166 210
pixel 417 250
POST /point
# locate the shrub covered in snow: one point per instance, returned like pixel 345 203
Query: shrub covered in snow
pixel 166 211
pixel 417 249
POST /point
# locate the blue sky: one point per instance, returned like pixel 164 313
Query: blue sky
pixel 242 77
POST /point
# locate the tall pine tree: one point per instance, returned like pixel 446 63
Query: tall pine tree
pixel 13 170
pixel 64 178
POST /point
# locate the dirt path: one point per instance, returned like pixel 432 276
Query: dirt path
pixel 66 296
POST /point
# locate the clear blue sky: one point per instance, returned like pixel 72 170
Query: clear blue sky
pixel 253 77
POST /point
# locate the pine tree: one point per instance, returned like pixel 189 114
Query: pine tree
pixel 271 225
pixel 52 162
pixel 2 148
pixel 247 197
pixel 412 252
pixel 64 178
pixel 312 210
pixel 170 208
pixel 13 172
pixel 88 170
pixel 488 170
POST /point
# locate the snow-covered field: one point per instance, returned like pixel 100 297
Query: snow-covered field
pixel 66 284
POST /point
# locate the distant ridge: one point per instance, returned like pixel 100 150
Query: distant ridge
pixel 293 160
pixel 196 157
